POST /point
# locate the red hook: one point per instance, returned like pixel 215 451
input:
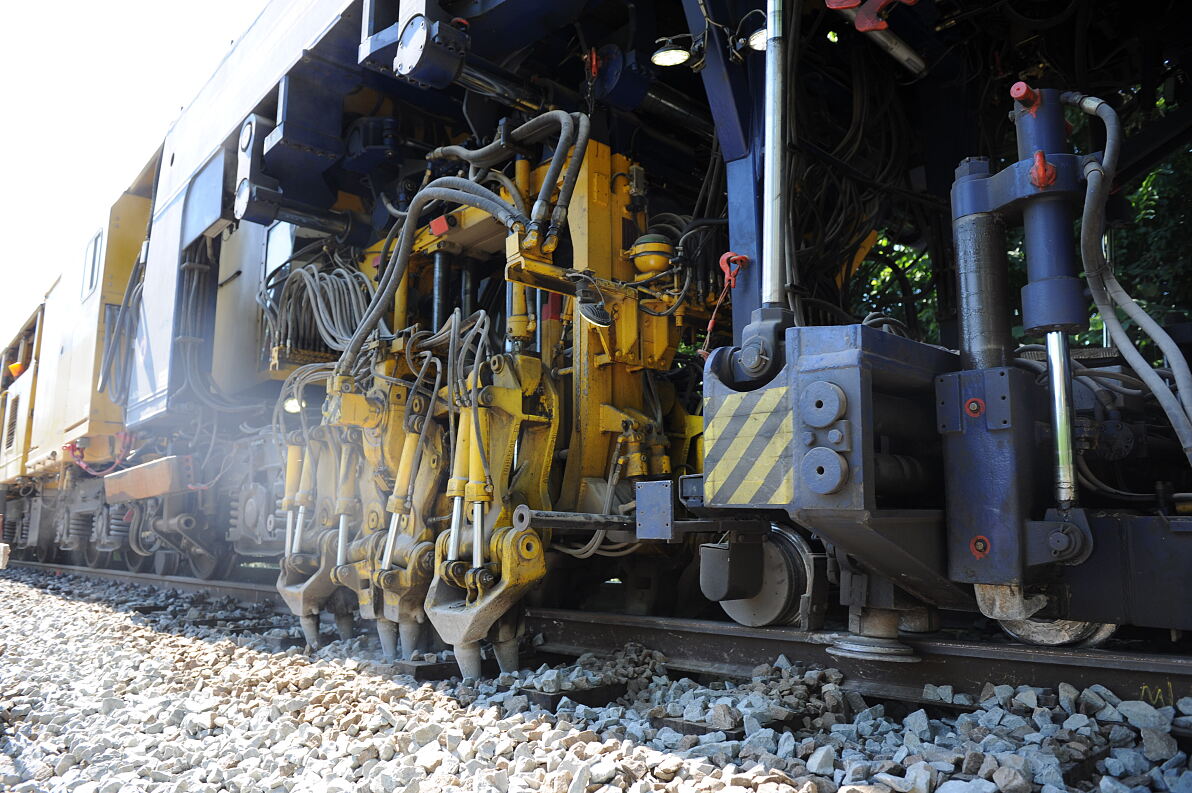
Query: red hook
pixel 730 272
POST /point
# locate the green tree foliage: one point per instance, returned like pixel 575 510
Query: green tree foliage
pixel 897 280
pixel 1152 250
pixel 1150 247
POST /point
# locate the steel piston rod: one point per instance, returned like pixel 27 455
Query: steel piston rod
pixel 298 525
pixel 1059 372
pixel 773 181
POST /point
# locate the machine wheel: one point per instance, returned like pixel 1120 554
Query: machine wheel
pixel 206 567
pixel 785 563
pixel 165 563
pixel 95 558
pixel 229 564
pixel 1058 633
pixel 135 562
pixel 45 555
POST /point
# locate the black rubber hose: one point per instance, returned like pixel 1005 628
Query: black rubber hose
pixel 395 269
pixel 566 136
pixel 583 133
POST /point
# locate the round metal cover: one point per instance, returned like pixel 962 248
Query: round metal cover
pixel 821 404
pixel 410 45
pixel 823 470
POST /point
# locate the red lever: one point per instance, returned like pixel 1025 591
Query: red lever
pixel 871 15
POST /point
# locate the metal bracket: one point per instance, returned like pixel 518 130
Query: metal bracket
pixel 1063 538
pixel 656 518
pixel 1015 183
pixel 730 570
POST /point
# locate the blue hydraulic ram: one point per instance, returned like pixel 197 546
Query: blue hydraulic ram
pixel 985 409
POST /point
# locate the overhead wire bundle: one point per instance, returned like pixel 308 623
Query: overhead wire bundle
pixel 848 151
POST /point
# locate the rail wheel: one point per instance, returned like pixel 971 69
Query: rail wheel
pixel 230 563
pixel 789 587
pixel 1059 633
pixel 136 563
pixel 165 563
pixel 95 558
pixel 206 567
pixel 45 555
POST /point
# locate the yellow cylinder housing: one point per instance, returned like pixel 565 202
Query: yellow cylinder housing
pixel 651 253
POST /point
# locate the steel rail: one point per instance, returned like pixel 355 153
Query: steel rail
pixel 731 650
pixel 241 590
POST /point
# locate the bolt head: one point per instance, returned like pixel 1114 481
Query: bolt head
pixel 1060 541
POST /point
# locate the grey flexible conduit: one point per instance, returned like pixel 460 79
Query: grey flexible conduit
pixel 1099 176
pixel 396 267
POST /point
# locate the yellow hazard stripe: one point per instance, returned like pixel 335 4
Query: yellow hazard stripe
pixel 748 438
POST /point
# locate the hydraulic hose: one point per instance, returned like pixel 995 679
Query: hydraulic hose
pixel 566 136
pixel 1104 286
pixel 507 183
pixel 478 190
pixel 499 150
pixel 679 299
pixel 1093 106
pixel 529 132
pixel 396 268
pixel 1094 265
pixel 583 132
pixel 485 157
pixel 391 208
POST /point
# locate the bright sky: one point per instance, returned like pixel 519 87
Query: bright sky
pixel 88 91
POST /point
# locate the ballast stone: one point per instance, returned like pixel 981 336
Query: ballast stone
pixel 338 721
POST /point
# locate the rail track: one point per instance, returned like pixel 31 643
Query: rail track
pixel 241 590
pixel 707 647
pixel 731 650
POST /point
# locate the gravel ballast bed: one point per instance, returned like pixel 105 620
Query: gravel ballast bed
pixel 100 697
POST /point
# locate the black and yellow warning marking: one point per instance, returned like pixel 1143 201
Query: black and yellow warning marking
pixel 747 438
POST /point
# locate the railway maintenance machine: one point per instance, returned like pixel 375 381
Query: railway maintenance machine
pixel 789 313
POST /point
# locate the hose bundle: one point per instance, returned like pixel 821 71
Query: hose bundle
pixel 336 299
pixel 1109 295
pixel 573 130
